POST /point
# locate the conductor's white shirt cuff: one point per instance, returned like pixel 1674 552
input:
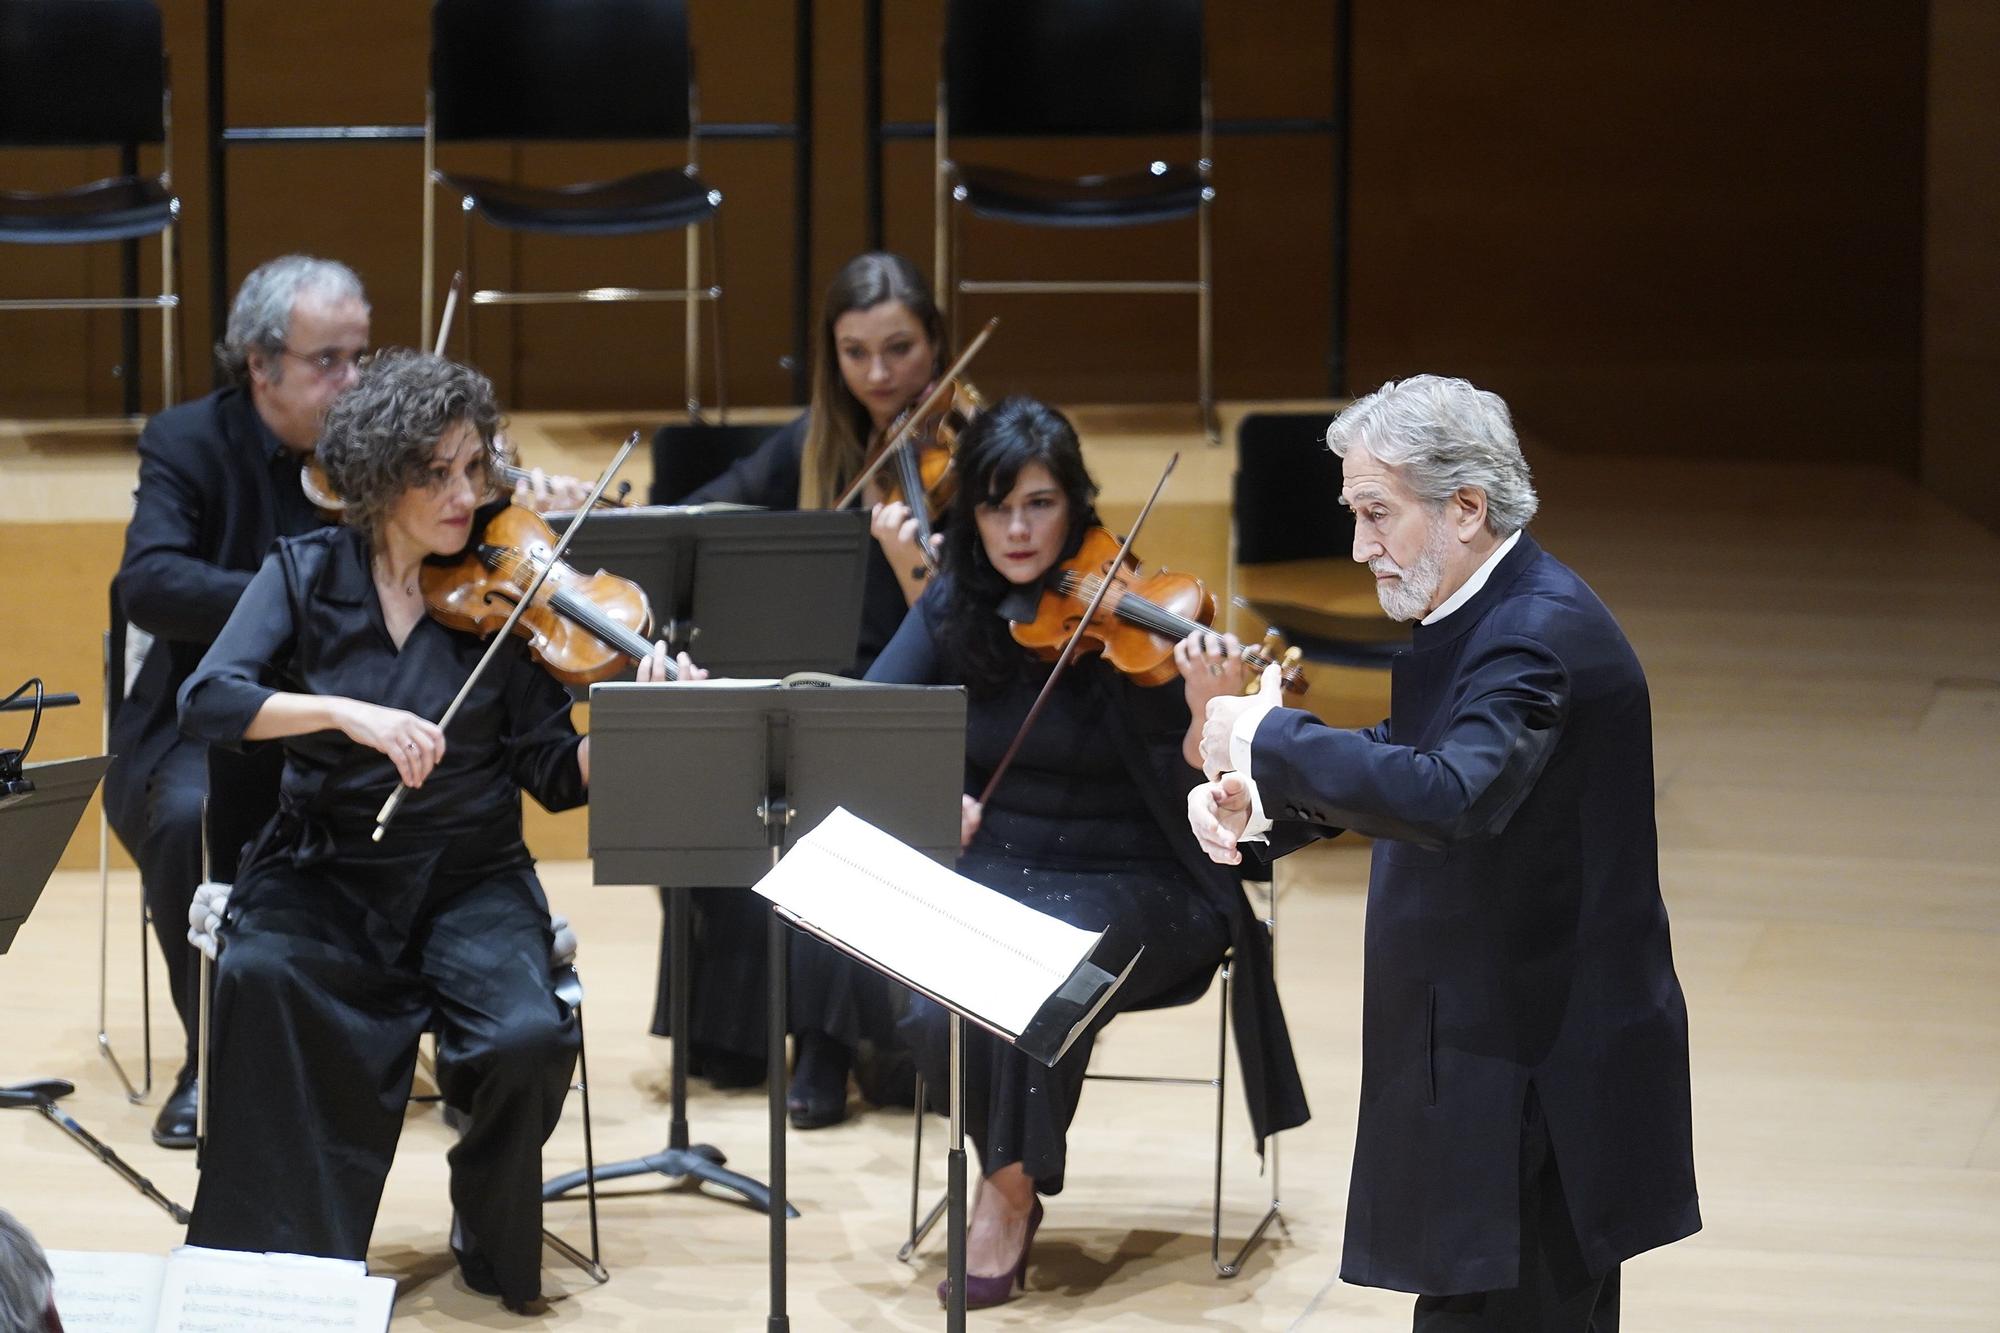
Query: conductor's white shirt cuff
pixel 1240 737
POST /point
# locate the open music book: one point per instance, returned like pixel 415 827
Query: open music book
pixel 1026 976
pixel 193 1290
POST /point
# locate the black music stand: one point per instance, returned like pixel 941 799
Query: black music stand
pixel 765 593
pixel 37 817
pixel 767 756
pixel 746 592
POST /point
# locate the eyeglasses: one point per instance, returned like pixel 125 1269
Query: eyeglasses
pixel 330 363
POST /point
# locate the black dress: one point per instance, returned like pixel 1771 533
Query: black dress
pixel 339 952
pixel 1087 826
pixel 727 991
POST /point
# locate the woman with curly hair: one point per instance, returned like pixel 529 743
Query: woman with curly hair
pixel 340 951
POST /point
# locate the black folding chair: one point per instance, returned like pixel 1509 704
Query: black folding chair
pixel 1059 68
pixel 119 651
pixel 93 74
pixel 1288 519
pixel 686 458
pixel 574 70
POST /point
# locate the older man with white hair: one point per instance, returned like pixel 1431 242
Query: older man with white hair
pixel 1524 1124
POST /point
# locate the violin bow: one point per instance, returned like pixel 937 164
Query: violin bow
pixel 1076 635
pixel 450 309
pixel 395 801
pixel 922 410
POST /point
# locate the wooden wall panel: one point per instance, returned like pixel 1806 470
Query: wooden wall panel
pixel 1961 359
pixel 1680 229
pixel 1696 228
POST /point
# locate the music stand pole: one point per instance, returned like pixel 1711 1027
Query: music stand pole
pixel 776 813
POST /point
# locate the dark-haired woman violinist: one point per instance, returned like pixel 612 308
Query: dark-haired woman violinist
pixel 341 951
pixel 881 343
pixel 1088 824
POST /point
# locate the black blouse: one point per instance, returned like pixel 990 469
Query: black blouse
pixel 310 622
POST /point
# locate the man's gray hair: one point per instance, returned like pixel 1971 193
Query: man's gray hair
pixel 260 319
pixel 25 1279
pixel 1443 434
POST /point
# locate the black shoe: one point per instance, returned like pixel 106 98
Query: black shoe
pixel 174 1127
pixel 817 1097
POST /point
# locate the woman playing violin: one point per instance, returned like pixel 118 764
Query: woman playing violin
pixel 1087 825
pixel 881 343
pixel 340 951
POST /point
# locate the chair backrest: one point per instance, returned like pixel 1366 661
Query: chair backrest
pixel 1288 490
pixel 688 457
pixel 561 69
pixel 1064 67
pixel 80 73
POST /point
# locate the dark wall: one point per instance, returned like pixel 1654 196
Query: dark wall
pixel 1695 227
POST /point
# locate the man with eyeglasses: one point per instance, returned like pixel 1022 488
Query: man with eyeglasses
pixel 219 481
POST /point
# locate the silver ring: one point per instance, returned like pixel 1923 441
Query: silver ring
pixel 1214 668
pixel 409 745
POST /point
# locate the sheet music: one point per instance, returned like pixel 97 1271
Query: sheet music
pixel 103 1292
pixel 984 952
pixel 196 1290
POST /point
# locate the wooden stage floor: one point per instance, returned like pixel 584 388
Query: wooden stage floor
pixel 1824 650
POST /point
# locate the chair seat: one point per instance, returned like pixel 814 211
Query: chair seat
pixel 663 200
pixel 120 208
pixel 1087 201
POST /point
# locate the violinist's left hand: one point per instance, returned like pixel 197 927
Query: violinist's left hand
pixel 653 667
pixel 549 492
pixel 895 531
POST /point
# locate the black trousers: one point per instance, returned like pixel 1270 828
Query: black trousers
pixel 325 982
pixel 1557 1294
pixel 163 833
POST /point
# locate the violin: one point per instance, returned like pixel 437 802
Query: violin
pixel 1147 616
pixel 922 466
pixel 920 473
pixel 582 628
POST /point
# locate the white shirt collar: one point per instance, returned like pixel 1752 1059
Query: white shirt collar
pixel 1478 580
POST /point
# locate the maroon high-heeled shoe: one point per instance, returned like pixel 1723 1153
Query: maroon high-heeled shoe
pixel 982 1292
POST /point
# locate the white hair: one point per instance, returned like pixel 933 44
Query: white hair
pixel 1443 434
pixel 25 1279
pixel 260 318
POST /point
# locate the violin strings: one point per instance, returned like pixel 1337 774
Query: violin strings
pixel 510 564
pixel 1149 615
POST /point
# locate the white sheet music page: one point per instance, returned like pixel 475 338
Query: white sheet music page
pixel 227 1291
pixel 107 1292
pixel 979 950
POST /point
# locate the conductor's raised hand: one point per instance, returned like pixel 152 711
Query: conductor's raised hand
pixel 413 744
pixel 1218 812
